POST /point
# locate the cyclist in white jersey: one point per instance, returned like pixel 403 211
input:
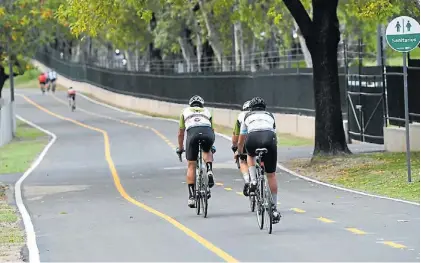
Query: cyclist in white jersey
pixel 51 79
pixel 197 121
pixel 243 158
pixel 260 128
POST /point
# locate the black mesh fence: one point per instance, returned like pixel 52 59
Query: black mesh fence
pixel 395 94
pixel 285 90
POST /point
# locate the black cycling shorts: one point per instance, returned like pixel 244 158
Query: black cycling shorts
pixel 263 139
pixel 42 83
pixel 195 134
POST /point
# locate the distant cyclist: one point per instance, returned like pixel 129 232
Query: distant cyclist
pixel 197 121
pixel 243 158
pixel 52 77
pixel 71 95
pixel 260 128
pixel 42 81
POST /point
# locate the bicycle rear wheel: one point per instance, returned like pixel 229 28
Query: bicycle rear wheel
pixel 198 192
pixel 268 209
pixel 204 200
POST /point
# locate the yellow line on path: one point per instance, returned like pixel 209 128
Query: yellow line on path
pixel 222 254
pixel 393 244
pixel 297 210
pixel 165 139
pixel 325 220
pixel 356 231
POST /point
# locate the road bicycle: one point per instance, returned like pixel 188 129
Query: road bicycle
pixel 252 198
pixel 202 192
pixel 72 103
pixel 42 87
pixel 52 84
pixel 263 195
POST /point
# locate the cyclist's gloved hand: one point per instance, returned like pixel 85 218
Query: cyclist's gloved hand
pixel 213 149
pixel 234 148
pixel 179 151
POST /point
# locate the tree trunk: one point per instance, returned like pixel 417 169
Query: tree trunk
pixel 237 45
pixel 322 38
pixel 330 135
pixel 129 61
pixel 251 55
pixel 136 57
pixel 3 78
pixel 199 50
pixel 186 48
pixel 304 49
pixel 214 37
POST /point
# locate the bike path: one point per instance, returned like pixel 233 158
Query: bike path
pixel 230 226
pixel 76 210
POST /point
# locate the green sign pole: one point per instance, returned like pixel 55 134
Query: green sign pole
pixel 403 35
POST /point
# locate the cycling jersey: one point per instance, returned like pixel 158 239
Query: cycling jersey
pixel 258 121
pixel 240 120
pixel 195 117
pixel 42 78
pixel 52 75
pixel 71 92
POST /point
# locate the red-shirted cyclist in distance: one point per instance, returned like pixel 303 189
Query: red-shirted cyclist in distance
pixel 71 95
pixel 42 79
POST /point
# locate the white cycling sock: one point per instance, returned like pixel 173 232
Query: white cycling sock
pixel 253 172
pixel 275 199
pixel 246 177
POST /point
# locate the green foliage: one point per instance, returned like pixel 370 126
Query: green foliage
pixel 95 16
pixel 24 25
pixel 126 23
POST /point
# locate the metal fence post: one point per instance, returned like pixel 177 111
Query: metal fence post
pixel 384 97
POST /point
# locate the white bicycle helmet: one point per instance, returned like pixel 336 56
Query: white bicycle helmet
pixel 246 105
pixel 196 100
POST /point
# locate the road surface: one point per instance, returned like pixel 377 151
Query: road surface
pixel 111 188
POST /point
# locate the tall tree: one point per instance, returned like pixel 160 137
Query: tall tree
pixel 322 36
pixel 319 28
pixel 24 25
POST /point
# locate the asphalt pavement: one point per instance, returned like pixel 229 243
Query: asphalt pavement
pixel 112 189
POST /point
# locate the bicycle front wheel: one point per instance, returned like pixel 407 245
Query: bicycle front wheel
pixel 252 202
pixel 204 200
pixel 268 208
pixel 260 211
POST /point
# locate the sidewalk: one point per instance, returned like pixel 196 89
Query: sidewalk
pixel 288 153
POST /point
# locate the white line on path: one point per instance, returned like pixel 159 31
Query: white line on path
pixel 31 241
pixel 280 166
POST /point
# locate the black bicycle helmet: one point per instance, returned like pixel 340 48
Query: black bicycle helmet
pixel 196 101
pixel 257 103
pixel 246 105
